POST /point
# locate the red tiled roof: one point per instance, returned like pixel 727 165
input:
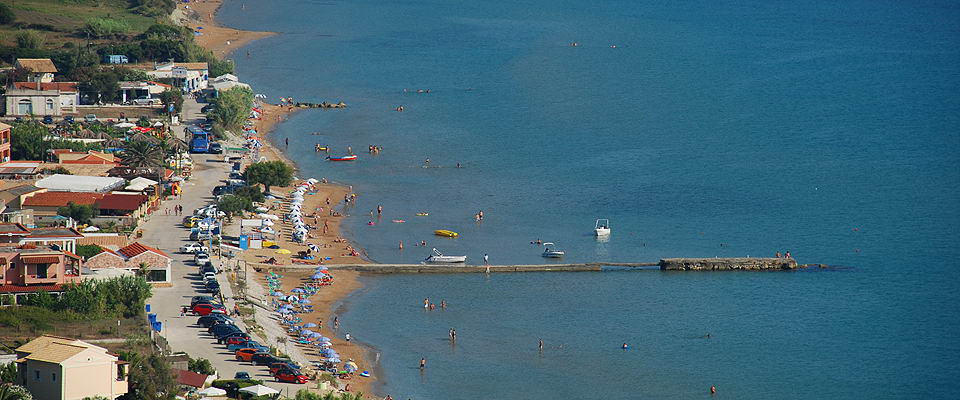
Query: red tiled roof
pixel 106 250
pixel 125 202
pixel 60 199
pixel 90 159
pixel 135 249
pixel 190 378
pixel 40 259
pixel 15 229
pixel 30 289
pixel 61 86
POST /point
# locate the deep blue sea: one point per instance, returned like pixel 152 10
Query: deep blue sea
pixel 830 129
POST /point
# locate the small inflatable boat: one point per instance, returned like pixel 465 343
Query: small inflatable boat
pixel 343 158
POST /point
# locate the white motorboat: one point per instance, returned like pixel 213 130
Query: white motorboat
pixel 602 228
pixel 550 252
pixel 438 257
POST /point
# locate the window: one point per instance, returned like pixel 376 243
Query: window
pixel 24 107
pixel 49 104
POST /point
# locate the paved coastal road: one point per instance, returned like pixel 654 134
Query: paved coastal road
pixel 166 233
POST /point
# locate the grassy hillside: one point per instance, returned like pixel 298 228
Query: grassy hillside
pixel 61 21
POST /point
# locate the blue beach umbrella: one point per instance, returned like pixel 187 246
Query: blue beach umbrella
pixel 297 290
pixel 305 301
pixel 317 276
pixel 310 325
pixel 278 293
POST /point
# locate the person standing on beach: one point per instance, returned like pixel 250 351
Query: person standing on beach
pixel 336 322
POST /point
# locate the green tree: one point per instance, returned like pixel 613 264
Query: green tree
pixel 8 373
pixel 14 392
pixel 201 366
pixel 142 269
pixel 234 205
pixel 232 107
pixel 98 27
pixel 6 15
pixel 141 154
pixel 58 170
pixel 27 141
pixel 173 96
pixel 150 378
pixel 251 192
pixel 269 173
pixel 82 213
pixel 29 39
pixel 88 250
pixel 144 121
pixel 101 86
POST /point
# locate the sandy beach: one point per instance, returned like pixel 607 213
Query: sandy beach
pixel 316 208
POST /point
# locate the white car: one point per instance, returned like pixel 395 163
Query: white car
pixel 209 276
pixel 193 248
pixel 201 258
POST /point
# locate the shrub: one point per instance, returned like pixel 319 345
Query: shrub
pixel 27 39
pixel 105 27
pixel 88 250
pixel 201 366
pixel 6 15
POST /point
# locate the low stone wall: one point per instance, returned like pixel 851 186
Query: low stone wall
pixel 727 264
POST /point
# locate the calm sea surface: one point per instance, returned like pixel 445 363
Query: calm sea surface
pixel 827 128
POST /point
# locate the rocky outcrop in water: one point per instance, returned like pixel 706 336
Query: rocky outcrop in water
pixel 727 264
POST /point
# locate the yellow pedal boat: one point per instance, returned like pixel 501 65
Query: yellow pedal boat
pixel 446 233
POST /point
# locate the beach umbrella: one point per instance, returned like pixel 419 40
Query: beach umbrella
pixel 312 180
pixel 282 251
pixel 212 391
pixel 291 298
pixel 313 247
pixel 310 325
pixel 322 268
pixel 125 125
pixel 305 301
pixel 317 276
pixel 267 229
pixel 268 216
pixel 315 335
pixel 306 332
pixel 297 290
pixel 262 209
pixel 277 293
pixel 259 390
pixel 267 222
pixel 285 311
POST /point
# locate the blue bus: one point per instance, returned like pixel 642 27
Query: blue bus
pixel 199 140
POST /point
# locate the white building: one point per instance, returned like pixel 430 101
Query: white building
pixel 189 77
pixel 77 183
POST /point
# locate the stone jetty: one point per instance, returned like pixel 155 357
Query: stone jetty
pixel 727 264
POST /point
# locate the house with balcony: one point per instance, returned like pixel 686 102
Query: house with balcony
pixel 55 367
pixel 189 77
pixel 27 269
pixel 4 142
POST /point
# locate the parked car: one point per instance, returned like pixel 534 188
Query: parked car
pixel 249 344
pixel 238 339
pixel 215 148
pixel 282 365
pixel 207 308
pixel 69 119
pixel 199 235
pixel 263 358
pixel 201 258
pixel 220 331
pixel 209 276
pixel 194 248
pixel 145 102
pixel 290 376
pixel 48 120
pixel 208 108
pixel 213 287
pixel 236 175
pixel 200 299
pixel 90 118
pixel 209 320
pixel 245 354
pixel 241 375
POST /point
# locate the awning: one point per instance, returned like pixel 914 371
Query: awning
pixel 40 259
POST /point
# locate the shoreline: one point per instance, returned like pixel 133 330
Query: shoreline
pixel 222 41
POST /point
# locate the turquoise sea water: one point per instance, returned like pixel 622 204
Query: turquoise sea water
pixel 829 129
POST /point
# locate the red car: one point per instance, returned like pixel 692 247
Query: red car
pixel 207 308
pixel 240 338
pixel 245 354
pixel 290 376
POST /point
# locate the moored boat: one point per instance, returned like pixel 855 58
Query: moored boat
pixel 550 252
pixel 343 158
pixel 602 228
pixel 438 257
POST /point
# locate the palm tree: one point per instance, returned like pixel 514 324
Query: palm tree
pixel 10 391
pixel 141 154
pixel 142 269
